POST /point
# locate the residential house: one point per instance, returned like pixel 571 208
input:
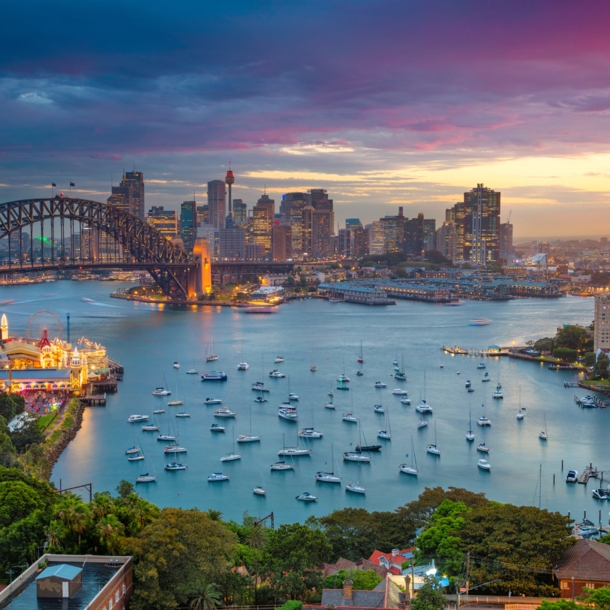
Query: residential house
pixel 586 564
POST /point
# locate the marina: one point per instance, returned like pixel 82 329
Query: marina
pixel 577 436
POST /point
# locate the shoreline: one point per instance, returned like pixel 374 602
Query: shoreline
pixel 128 297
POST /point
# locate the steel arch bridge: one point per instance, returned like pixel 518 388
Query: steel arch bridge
pixel 136 244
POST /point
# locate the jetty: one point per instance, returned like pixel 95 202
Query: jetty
pixel 588 473
pixel 479 353
pixel 590 402
pixel 94 400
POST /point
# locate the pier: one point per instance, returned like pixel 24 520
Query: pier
pixel 590 402
pixel 462 351
pixel 94 400
pixel 588 473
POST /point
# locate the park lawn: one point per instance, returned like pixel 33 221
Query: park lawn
pixel 45 420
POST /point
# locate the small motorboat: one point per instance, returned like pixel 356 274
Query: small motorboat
pixel 292 396
pixel 276 374
pixel 355 488
pixel 400 376
pixel 175 403
pixel 146 478
pixel 249 438
pixel 211 358
pixel 133 419
pixel 331 393
pixel 395 363
pixel 483 448
pixel 161 392
pixel 307 497
pixel 483 421
pixel 329 405
pixel 216 477
pixel 484 465
pixel 224 412
pixel 572 476
pixel 166 437
pixel 288 413
pixel 310 433
pixel 327 477
pixel 217 428
pixel 468 383
pixel 380 384
pixel 281 466
pixel 355 456
pixel 183 414
pixel 520 414
pixel 543 436
pixel 158 411
pixel 260 399
pixel 279 359
pixel 481 365
pixel 600 494
pixel 350 418
pixel 384 434
pixel 175 466
pixel 259 386
pixel 176 365
pixel 313 368
pixel 400 392
pixel 405 400
pixel 212 401
pixel 378 409
pixel 243 366
pixel 230 457
pixel 258 491
pixel 192 372
pixel 486 377
pixel 359 373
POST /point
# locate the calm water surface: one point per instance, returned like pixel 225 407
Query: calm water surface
pixel 147 339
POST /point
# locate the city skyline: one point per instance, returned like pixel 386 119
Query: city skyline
pixel 411 114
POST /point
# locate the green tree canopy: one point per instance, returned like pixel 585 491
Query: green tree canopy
pixel 11 405
pixel 600 368
pixel 362 580
pixel 573 337
pixel 597 598
pixel 545 344
pixel 429 597
pixel 565 353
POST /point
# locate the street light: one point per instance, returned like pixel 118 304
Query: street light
pixel 10 571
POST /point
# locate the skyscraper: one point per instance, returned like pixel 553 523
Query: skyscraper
pixel 165 221
pixel 135 180
pixel 446 241
pixel 188 224
pixel 601 323
pixel 263 215
pixel 376 235
pixel 482 225
pixel 121 198
pixel 240 212
pixel 282 242
pixel 506 242
pixel 292 207
pixel 217 204
pixel 232 244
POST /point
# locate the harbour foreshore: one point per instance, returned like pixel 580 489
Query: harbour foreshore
pixel 142 299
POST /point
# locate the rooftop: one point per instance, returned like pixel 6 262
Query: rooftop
pixel 586 560
pixel 61 570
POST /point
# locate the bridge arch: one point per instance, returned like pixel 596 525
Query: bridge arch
pixel 167 263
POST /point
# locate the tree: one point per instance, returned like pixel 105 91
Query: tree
pixel 565 353
pixel 560 604
pixel 205 597
pixel 600 368
pixel 11 405
pixel 573 337
pixel 429 597
pixel 109 530
pixel 214 515
pixel 125 488
pixel 544 345
pixel 597 598
pixel 362 580
pixel 29 434
pixel 589 359
pixel 434 256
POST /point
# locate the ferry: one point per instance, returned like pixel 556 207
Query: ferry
pixel 479 322
pixel 214 376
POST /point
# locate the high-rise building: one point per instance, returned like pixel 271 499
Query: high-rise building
pixel 232 244
pixel 446 240
pixel 188 224
pixel 317 232
pixel 263 217
pixel 230 180
pixel 203 215
pixel 394 232
pixel 165 221
pixel 456 216
pixel 211 234
pixel 376 235
pixel 217 204
pixel 255 252
pixel 281 239
pixel 292 207
pixel 414 236
pixel 506 242
pixel 601 323
pixel 135 180
pixel 240 212
pixel 481 225
pixel 120 198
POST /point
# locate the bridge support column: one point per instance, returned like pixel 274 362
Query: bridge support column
pixel 202 282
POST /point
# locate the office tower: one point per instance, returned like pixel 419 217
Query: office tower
pixel 376 237
pixel 203 215
pixel 240 212
pixel 232 244
pixel 165 221
pixel 414 236
pixel 188 224
pixel 481 225
pixel 281 239
pixel 506 242
pixel 121 198
pixel 255 252
pixel 230 180
pixel 394 233
pixel 429 228
pixel 446 240
pixel 601 323
pixel 292 207
pixel 135 180
pixel 317 232
pixel 263 217
pixel 216 203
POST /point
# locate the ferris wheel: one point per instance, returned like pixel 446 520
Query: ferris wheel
pixel 43 320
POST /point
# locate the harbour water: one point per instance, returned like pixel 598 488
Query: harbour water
pixel 147 339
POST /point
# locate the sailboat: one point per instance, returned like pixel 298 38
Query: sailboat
pixel 412 469
pixel 470 433
pixel 249 438
pixel 432 448
pixel 387 433
pixel 329 477
pixel 293 451
pixel 313 368
pixel 423 406
pixel 400 375
pixel 168 436
pixel 176 402
pixel 543 436
pixel 356 488
pixel 520 414
pixel 357 456
pixel 210 356
pixel 361 356
pixel 147 477
pixel 310 432
pixel 231 457
pixel 259 490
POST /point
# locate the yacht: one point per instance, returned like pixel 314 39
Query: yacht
pixel 350 417
pixel 400 376
pixel 175 466
pixel 355 488
pixel 520 414
pixel 258 491
pixel 543 436
pixel 174 449
pixel 279 359
pixel 243 366
pixel 484 465
pixel 176 365
pixel 405 400
pixel 214 376
pixel 395 363
pixel 470 433
pixel 483 421
pixel 192 372
pixel 276 374
pixel 483 448
pixel 307 497
pixel 150 428
pixel 293 452
pixel 248 438
pixel 288 413
pixel 368 448
pixel 216 477
pixel 146 478
pixel 331 393
pixel 422 423
pixel 572 476
pixel 433 449
pixel 161 392
pixel 260 399
pixel 355 456
pixel 217 428
pixel 327 477
pixel 310 433
pixel 497 393
pixel 211 358
pixel 400 392
pixel 183 414
pixel 380 384
pixel 166 437
pixel 600 494
pixel 230 457
pixel 158 411
pixel 259 386
pixel 343 378
pixel 175 403
pixel 412 468
pixel 280 466
pixel 135 458
pixel 481 365
pixel 292 396
pixel 378 409
pixel 132 450
pixel 133 419
pixel 212 401
pixel 423 407
pixel 329 405
pixel 385 434
pixel 313 368
pixel 486 377
pixel 468 383
pixel 224 412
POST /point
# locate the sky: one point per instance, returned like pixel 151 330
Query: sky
pixel 382 102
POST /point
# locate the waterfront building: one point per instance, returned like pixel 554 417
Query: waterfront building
pixel 601 324
pixel 281 239
pixel 165 221
pixel 254 252
pixel 506 243
pixel 188 224
pixel 292 207
pixel 263 217
pixel 217 204
pixel 363 294
pixel 240 212
pixel 232 244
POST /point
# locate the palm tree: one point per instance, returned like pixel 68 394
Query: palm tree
pixel 109 529
pixel 205 597
pixel 214 515
pixel 52 538
pixel 80 517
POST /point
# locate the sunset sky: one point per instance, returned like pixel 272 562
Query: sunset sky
pixel 382 102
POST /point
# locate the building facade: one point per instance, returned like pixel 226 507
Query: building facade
pixel 292 207
pixel 506 242
pixel 482 226
pixel 281 239
pixel 263 217
pixel 217 204
pixel 601 324
pixel 188 224
pixel 165 221
pixel 232 244
pixel 240 212
pixel 135 181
